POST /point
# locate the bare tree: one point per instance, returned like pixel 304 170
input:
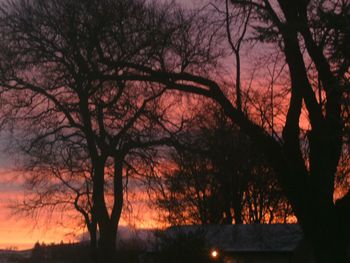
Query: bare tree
pixel 56 182
pixel 219 177
pixel 52 76
pixel 308 185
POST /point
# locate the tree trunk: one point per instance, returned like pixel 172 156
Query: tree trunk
pixel 92 228
pixel 325 234
pixel 108 225
pixel 312 188
pixel 107 243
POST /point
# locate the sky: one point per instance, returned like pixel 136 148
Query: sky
pixel 19 232
pixel 15 230
pixel 22 233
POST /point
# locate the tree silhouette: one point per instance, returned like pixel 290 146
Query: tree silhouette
pixel 52 75
pixel 309 186
pixel 219 177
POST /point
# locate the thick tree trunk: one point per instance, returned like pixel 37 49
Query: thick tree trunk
pixel 312 202
pixel 92 228
pixel 325 234
pixel 108 225
pixel 107 243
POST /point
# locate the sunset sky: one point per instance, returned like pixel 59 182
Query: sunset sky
pixel 14 230
pixel 267 103
pixel 22 233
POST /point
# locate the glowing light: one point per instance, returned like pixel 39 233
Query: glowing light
pixel 214 253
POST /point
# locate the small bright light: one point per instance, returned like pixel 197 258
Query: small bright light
pixel 214 253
